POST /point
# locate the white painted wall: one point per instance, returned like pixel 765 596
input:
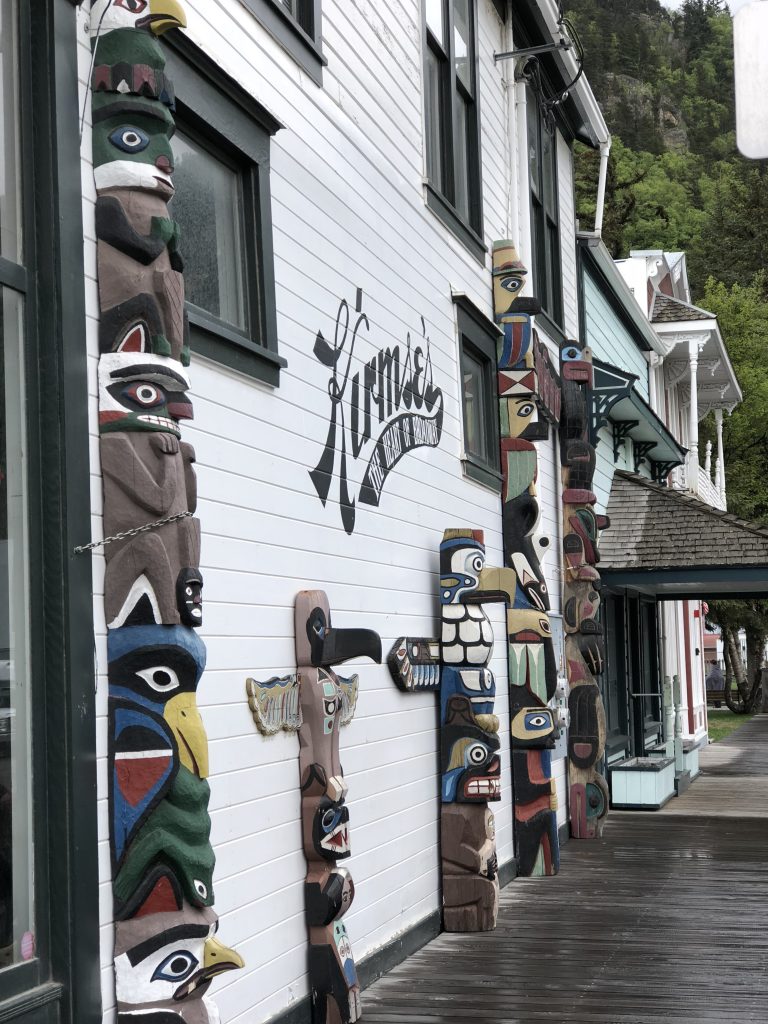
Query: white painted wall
pixel 348 211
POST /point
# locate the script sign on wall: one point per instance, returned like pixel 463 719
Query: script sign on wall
pixel 378 413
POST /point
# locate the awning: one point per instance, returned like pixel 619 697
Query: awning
pixel 617 405
pixel 670 545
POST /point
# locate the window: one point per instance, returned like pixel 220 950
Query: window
pixel 545 228
pixel 451 118
pixel 479 393
pixel 297 26
pixel 49 929
pixel 16 824
pixel 222 205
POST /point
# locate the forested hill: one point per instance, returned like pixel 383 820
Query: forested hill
pixel 665 82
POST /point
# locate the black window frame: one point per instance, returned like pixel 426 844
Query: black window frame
pixel 478 337
pixel 62 982
pixel 441 195
pixel 546 243
pixel 300 34
pixel 232 126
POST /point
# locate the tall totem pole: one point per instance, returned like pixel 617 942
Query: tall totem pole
pixel 316 703
pixel 584 645
pixel 532 662
pixel 166 952
pixel 455 665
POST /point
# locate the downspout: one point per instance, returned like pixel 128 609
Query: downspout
pixel 605 152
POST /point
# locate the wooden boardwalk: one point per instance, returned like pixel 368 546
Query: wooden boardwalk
pixel 664 920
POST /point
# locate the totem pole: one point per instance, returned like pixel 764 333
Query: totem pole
pixel 584 646
pixel 166 952
pixel 532 663
pixel 316 703
pixel 456 666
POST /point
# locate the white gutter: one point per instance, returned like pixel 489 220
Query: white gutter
pixel 605 152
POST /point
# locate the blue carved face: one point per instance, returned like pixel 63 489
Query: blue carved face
pixel 470 765
pixel 461 562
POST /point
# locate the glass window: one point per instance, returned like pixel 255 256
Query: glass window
pixel 452 138
pixel 16 903
pixel 10 190
pixel 475 405
pixel 297 26
pixel 208 207
pixel 545 227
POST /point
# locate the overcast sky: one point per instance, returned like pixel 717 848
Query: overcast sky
pixel 733 4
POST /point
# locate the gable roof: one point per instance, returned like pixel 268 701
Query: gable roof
pixel 667 309
pixel 669 543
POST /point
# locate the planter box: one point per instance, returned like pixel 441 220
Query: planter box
pixel 642 783
pixel 691 758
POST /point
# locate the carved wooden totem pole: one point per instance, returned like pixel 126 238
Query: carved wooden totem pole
pixel 166 952
pixel 316 703
pixel 532 663
pixel 584 645
pixel 456 666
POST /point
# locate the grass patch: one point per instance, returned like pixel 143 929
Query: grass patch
pixel 723 723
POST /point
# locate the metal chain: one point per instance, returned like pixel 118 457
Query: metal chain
pixel 132 533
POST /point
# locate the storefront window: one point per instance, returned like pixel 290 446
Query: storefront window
pixel 17 942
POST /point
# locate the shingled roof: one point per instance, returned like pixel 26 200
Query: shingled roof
pixel 657 528
pixel 667 310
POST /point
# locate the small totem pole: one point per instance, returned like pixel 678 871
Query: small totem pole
pixel 166 953
pixel 584 646
pixel 316 703
pixel 532 663
pixel 456 666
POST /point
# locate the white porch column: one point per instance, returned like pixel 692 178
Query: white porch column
pixel 694 347
pixel 720 455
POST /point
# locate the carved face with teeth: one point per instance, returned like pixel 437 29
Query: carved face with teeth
pixel 141 391
pixel 471 767
pixel 330 829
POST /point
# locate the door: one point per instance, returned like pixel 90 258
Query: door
pixel 615 679
pixel 645 680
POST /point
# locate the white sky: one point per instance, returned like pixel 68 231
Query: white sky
pixel 733 4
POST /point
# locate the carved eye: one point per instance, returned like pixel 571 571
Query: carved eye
pixel 537 721
pixel 571 353
pixel 328 820
pixel 145 394
pixel 526 410
pixel 130 140
pixel 201 889
pixel 134 6
pixel 513 284
pixel 330 708
pixel 477 563
pixel 176 967
pixel 477 754
pixel 160 678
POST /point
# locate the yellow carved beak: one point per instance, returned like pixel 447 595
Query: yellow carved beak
pixel 218 957
pixel 499 582
pixel 165 15
pixel 183 718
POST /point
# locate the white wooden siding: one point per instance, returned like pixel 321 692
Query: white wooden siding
pixel 567 238
pixel 348 212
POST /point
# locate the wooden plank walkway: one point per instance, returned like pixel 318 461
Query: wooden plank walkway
pixel 664 920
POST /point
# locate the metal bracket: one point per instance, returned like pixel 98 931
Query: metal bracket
pixel 621 431
pixel 533 51
pixel 642 450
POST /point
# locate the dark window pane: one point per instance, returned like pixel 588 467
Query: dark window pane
pixel 549 172
pixel 10 185
pixel 462 156
pixel 435 22
pixel 475 407
pixel 208 207
pixel 462 42
pixel 434 121
pixel 534 162
pixel 16 908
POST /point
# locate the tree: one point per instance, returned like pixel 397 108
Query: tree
pixel 752 617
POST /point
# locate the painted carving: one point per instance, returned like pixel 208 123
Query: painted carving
pixel 588 791
pixel 456 665
pixel 166 953
pixel 316 703
pixel 532 664
pixel 394 394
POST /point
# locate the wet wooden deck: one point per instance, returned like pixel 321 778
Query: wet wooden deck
pixel 664 920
